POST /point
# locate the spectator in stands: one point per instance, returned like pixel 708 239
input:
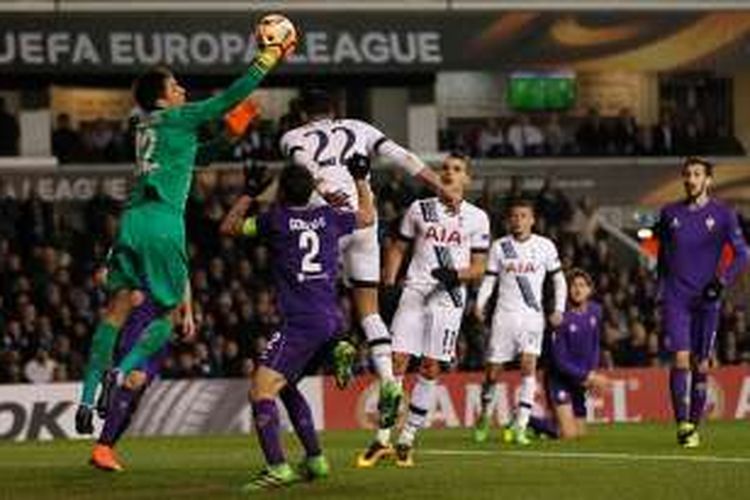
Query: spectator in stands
pixel 524 138
pixel 66 142
pixel 625 133
pixel 592 136
pixel 666 135
pixel 555 137
pixel 9 131
pixel 491 140
pixel 40 369
pixel 551 204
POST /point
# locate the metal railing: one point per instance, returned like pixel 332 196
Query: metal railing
pixel 52 6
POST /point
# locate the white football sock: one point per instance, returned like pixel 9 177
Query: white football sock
pixel 379 340
pixel 525 401
pixel 419 406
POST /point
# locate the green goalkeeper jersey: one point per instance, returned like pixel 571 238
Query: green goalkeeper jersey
pixel 167 140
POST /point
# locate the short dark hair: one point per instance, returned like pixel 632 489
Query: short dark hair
pixel 296 185
pixel 150 86
pixel 461 155
pixel 520 203
pixel 577 272
pixel 697 160
pixel 316 101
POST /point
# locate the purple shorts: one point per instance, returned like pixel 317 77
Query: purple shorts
pixel 690 327
pixel 563 392
pixel 299 342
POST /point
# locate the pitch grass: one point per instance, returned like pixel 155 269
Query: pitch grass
pixel 637 461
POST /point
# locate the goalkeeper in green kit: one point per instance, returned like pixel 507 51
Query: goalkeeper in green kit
pixel 149 260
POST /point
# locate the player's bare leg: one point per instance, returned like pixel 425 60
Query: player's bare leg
pixel 420 403
pixel 516 433
pixel 381 447
pixel 100 356
pixel 492 374
pixel 679 377
pixel 379 340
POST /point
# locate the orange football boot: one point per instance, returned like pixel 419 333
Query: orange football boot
pixel 103 457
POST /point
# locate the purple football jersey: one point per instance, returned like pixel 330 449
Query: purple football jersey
pixel 575 343
pixel 304 247
pixel 691 243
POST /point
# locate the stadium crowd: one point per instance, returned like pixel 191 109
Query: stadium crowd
pixel 51 296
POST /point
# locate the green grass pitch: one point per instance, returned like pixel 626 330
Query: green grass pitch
pixel 638 461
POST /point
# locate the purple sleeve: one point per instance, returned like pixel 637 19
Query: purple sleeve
pixel 564 361
pixel 265 223
pixel 736 240
pixel 346 222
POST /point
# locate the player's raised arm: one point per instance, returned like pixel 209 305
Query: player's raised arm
pixel 276 38
pixel 392 152
pixel 359 168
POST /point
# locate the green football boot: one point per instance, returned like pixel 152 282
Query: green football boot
pixel 390 401
pixel 344 355
pixel 315 468
pixel 277 476
pixel 482 429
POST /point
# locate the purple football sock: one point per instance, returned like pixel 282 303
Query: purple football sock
pixel 124 405
pixel 546 426
pixel 678 385
pixel 302 420
pixel 266 419
pixel 698 395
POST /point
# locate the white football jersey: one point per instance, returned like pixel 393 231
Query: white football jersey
pixel 520 267
pixel 442 238
pixel 328 142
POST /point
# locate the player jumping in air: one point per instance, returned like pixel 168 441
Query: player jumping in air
pixel 517 265
pixel 449 250
pixel 323 144
pixel 574 357
pixel 692 234
pixel 304 241
pixel 149 253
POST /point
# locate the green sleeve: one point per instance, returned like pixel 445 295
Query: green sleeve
pixel 195 113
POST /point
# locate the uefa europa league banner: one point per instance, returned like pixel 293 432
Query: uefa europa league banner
pixel 377 42
pixel 199 407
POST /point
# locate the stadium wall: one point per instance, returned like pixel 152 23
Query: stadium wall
pixel 198 407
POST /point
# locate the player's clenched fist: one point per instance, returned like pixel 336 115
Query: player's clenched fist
pixel 276 31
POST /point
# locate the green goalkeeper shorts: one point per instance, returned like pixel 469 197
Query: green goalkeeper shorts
pixel 149 253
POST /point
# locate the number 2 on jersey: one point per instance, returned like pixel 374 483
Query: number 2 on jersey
pixel 309 242
pixel 324 141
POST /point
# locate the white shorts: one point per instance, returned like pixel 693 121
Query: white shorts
pixel 360 255
pixel 513 334
pixel 426 329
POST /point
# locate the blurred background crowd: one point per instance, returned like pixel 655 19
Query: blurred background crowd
pixel 50 299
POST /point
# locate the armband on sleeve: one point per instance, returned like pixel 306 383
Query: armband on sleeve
pixel 250 226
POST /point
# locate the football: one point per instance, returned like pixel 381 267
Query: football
pixel 276 29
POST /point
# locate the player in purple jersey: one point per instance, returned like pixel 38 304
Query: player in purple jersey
pixel 574 357
pixel 304 242
pixel 692 235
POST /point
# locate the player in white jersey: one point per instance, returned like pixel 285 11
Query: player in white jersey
pixel 516 267
pixel 324 145
pixel 449 250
